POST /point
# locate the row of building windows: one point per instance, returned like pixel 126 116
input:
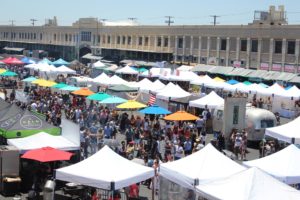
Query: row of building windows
pixel 278 44
pixel 86 36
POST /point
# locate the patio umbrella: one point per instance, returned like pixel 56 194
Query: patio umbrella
pixel 2 71
pixel 100 96
pixel 247 82
pixel 46 83
pixel 232 82
pixel 113 100
pixel 59 85
pixel 218 79
pixel 70 88
pixel 83 92
pixel 180 116
pixel 47 154
pixel 29 79
pixel 9 73
pixel 155 110
pixel 131 104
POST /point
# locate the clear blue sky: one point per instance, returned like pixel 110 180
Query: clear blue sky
pixel 146 11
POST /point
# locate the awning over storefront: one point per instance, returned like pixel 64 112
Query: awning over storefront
pixel 13 49
pixel 257 74
pixel 240 72
pixel 91 57
pixel 203 68
pixel 221 70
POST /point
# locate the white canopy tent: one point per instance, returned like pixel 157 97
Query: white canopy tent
pixel 212 100
pixel 172 91
pixel 154 87
pixel 204 165
pixel 288 171
pixel 184 76
pixel 275 89
pixel 105 169
pixel 250 184
pixel 293 92
pixel 64 70
pixel 43 139
pixel 98 64
pixel 202 80
pixel 126 70
pixel 155 72
pixel 102 78
pixel 288 132
pixel 185 68
pixel 114 80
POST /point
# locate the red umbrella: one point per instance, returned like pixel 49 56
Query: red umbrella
pixel 47 154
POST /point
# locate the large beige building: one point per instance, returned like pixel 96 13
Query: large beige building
pixel 266 43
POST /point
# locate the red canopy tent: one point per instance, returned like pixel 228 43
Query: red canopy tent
pixel 12 61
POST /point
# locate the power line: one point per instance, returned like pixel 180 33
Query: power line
pixel 32 21
pixel 169 21
pixel 215 19
pixel 12 22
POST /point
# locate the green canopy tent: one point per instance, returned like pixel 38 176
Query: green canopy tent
pixel 15 122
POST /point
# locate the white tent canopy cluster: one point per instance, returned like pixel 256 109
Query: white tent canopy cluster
pixel 215 176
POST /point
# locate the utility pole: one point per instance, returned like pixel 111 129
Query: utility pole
pixel 33 21
pixel 215 19
pixel 12 22
pixel 169 21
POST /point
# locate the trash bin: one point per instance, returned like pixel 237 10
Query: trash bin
pixel 49 189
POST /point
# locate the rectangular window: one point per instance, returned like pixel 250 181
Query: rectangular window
pixel 223 44
pixel 140 41
pixel 66 37
pixel 86 36
pixel 118 40
pixel 146 41
pixel 278 46
pixel 291 47
pixel 159 41
pixel 254 45
pixel 98 38
pixel 166 42
pixel 41 36
pixel 128 40
pixel 243 45
pixel 108 39
pixel 180 43
pixel 123 40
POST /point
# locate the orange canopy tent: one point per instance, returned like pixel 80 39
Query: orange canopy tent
pixel 83 92
pixel 180 116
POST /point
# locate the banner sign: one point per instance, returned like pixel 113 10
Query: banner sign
pixel 237 63
pixel 289 68
pixel 264 66
pixel 276 67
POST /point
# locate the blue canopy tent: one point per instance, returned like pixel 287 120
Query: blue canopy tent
pixel 46 61
pixel 263 85
pixel 155 110
pixel 27 60
pixel 60 62
pixel 232 82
